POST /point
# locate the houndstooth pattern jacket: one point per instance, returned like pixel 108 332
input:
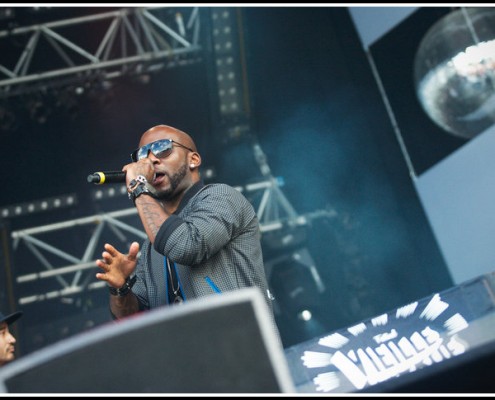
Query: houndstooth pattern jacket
pixel 214 240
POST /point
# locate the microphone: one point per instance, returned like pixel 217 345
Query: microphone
pixel 100 178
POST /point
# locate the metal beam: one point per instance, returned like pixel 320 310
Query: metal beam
pixel 134 40
pixel 267 197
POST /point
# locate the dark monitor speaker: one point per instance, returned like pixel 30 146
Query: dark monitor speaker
pixel 223 343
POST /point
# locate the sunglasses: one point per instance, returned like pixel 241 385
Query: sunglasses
pixel 160 148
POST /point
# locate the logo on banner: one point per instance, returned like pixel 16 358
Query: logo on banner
pixel 388 346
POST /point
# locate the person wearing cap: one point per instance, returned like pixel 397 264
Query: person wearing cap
pixel 7 340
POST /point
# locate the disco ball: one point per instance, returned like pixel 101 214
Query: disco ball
pixel 454 71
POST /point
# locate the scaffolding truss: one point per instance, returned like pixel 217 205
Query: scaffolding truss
pixel 70 276
pixel 75 273
pixel 134 40
pixel 129 41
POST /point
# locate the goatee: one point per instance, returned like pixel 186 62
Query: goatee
pixel 175 180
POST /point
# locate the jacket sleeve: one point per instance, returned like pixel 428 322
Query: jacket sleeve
pixel 213 217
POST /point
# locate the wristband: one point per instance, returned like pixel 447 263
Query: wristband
pixel 134 182
pixel 141 188
pixel 126 287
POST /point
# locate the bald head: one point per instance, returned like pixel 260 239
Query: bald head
pixel 167 132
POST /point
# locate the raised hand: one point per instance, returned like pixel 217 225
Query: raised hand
pixel 117 266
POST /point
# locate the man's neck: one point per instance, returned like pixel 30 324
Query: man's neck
pixel 171 205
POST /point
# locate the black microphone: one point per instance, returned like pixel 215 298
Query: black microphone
pixel 107 177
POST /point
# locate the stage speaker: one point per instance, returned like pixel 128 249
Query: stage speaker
pixel 224 343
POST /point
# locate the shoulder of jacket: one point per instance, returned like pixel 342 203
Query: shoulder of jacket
pixel 219 187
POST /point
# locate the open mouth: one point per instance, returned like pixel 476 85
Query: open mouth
pixel 159 176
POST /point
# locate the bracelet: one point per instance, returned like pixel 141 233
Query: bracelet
pixel 134 182
pixel 126 287
pixel 141 188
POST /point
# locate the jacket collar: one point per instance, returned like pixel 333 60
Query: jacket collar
pixel 189 194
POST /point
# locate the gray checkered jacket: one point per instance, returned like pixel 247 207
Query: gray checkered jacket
pixel 214 240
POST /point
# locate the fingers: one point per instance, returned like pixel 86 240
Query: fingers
pixel 133 251
pixel 110 253
pixel 101 264
pixel 115 265
pixel 102 277
pixel 112 250
pixel 104 263
pixel 107 258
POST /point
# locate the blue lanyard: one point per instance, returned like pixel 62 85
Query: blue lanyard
pixel 213 286
pixel 169 280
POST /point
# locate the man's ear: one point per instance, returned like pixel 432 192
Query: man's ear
pixel 195 160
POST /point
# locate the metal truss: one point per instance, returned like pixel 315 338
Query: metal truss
pixel 273 209
pixel 133 40
pixel 130 41
pixel 37 242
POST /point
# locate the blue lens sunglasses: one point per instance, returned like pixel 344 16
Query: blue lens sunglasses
pixel 160 148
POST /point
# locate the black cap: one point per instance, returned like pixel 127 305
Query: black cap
pixel 10 318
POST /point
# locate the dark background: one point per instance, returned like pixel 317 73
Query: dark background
pixel 320 119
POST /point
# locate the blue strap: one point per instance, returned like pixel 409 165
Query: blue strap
pixel 213 286
pixel 178 282
pixel 165 274
pixel 165 271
